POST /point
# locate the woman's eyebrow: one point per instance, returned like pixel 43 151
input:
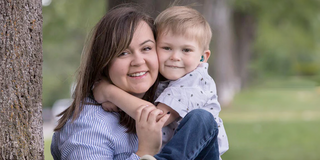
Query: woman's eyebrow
pixel 149 40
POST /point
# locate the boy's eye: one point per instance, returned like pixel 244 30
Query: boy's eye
pixel 166 48
pixel 186 50
pixel 123 54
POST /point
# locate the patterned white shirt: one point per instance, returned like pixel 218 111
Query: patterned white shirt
pixel 194 90
pixel 95 135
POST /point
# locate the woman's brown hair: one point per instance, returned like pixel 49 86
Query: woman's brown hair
pixel 111 35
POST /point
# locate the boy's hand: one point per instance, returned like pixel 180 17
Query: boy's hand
pixel 101 90
pixel 110 107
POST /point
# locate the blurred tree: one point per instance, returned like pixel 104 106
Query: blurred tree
pixel 223 67
pixel 287 34
pixel 65 27
pixel 21 135
pixel 152 7
pixel 244 26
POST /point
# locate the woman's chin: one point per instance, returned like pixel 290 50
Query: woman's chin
pixel 140 95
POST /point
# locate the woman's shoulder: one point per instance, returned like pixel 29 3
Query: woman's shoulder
pixel 100 120
pixel 96 112
pixel 94 120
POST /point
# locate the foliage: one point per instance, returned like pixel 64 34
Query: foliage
pixel 65 26
pixel 287 36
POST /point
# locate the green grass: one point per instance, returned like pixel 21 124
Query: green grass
pixel 47 153
pixel 274 120
pixel 273 140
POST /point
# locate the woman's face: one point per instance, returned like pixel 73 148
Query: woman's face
pixel 136 68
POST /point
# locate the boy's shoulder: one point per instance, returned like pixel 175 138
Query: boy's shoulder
pixel 199 74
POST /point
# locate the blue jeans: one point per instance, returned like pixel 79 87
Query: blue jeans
pixel 195 138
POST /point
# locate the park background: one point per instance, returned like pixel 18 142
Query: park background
pixel 271 105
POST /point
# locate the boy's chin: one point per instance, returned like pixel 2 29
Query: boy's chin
pixel 173 76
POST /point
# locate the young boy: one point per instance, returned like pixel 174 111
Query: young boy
pixel 183 38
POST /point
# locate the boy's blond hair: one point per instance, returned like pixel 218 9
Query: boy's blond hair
pixel 185 21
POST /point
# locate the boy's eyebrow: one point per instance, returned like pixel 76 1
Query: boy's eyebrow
pixel 191 46
pixel 149 40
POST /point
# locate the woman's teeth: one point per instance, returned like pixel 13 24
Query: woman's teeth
pixel 137 74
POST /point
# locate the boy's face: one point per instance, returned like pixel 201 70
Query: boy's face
pixel 178 55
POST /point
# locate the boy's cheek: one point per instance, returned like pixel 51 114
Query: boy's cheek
pixel 161 61
pixel 160 57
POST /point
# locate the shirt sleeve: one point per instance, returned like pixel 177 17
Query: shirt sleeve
pixel 222 137
pixel 90 140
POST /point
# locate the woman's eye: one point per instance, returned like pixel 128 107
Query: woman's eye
pixel 123 54
pixel 186 50
pixel 147 48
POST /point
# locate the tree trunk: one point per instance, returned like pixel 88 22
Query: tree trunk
pixel 21 135
pixel 152 7
pixel 244 26
pixel 218 14
pixel 113 3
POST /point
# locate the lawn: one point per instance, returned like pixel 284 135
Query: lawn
pixel 47 154
pixel 273 120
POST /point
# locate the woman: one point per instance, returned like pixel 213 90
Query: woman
pixel 122 48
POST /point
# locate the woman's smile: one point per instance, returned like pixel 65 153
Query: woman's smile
pixel 136 69
pixel 138 74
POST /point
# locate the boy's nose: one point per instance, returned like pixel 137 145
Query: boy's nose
pixel 175 57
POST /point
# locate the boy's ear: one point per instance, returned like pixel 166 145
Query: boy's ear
pixel 206 54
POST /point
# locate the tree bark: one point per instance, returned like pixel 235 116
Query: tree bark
pixel 152 7
pixel 21 135
pixel 218 14
pixel 113 3
pixel 244 26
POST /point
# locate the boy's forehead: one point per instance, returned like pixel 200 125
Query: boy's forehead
pixel 188 35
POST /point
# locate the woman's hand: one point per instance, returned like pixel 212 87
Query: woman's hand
pixel 149 130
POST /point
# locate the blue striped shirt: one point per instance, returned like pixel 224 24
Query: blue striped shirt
pixel 95 135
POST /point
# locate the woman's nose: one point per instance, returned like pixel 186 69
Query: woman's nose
pixel 138 59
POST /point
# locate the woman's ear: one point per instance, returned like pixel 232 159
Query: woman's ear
pixel 206 54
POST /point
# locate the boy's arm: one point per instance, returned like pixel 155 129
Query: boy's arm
pixel 173 114
pixel 104 91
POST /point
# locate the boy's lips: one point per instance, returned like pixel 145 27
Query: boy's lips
pixel 172 66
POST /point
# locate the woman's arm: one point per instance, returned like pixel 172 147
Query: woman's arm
pixel 104 91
